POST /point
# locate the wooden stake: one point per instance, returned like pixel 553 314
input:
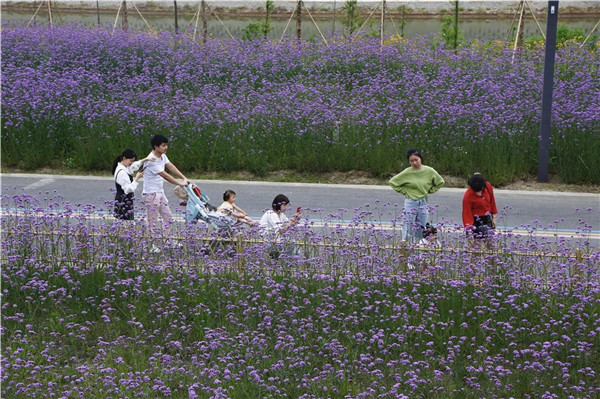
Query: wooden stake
pixel 521 25
pixel 142 17
pixel 299 21
pixel 535 19
pixel 512 24
pixel 34 14
pixel 117 18
pixel 197 18
pixel 315 23
pixel 588 36
pixel 333 24
pixel 50 14
pixel 389 14
pixel 204 23
pixel 364 23
pixel 519 36
pixel 219 19
pixel 382 22
pixel 124 22
pixel 286 25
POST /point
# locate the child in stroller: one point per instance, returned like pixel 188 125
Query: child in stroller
pixel 198 208
pixel 229 207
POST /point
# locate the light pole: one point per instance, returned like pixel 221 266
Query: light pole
pixel 544 145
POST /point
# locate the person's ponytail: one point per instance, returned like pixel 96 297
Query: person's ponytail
pixel 128 153
pixel 116 163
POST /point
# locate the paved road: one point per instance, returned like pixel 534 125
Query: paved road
pixel 564 211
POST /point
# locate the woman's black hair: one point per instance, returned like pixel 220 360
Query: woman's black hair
pixel 227 194
pixel 414 151
pixel 278 201
pixel 477 182
pixel 128 153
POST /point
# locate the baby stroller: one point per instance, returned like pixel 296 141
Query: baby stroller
pixel 198 208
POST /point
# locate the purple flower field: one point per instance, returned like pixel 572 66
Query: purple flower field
pixel 75 97
pixel 88 312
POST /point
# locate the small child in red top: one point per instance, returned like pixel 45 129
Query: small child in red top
pixel 479 207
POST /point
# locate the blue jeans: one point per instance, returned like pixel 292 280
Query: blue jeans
pixel 416 214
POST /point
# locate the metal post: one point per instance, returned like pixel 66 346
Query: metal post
pixel 176 22
pixel 544 146
pixel 98 11
pixel 455 24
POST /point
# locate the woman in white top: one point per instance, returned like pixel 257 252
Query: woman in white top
pixel 274 221
pixel 123 168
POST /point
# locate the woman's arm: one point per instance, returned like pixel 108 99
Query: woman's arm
pixel 437 182
pixel 397 182
pixel 494 209
pixel 137 165
pixel 291 223
pixel 122 179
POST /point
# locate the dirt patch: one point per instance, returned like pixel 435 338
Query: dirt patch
pixel 533 185
pixel 351 177
pixel 455 181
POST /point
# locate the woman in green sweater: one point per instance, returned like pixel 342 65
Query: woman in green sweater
pixel 416 182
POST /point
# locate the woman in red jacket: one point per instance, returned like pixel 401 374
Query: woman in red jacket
pixel 479 207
